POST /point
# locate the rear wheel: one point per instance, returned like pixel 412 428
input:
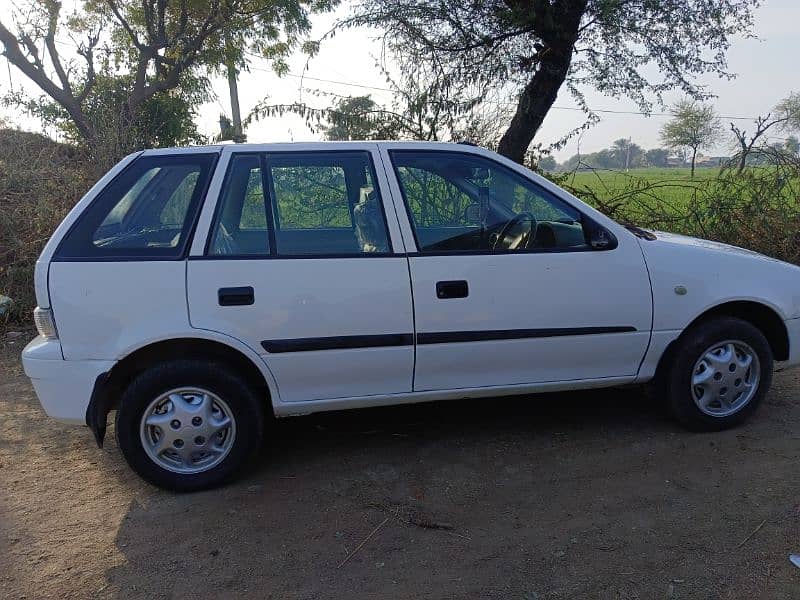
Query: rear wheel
pixel 188 425
pixel 720 371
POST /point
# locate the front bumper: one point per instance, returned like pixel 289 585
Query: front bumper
pixel 64 387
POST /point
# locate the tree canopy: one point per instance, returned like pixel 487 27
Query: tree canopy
pixel 694 126
pixel 114 62
pixel 530 49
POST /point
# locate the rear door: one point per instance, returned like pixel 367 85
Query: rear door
pixel 302 264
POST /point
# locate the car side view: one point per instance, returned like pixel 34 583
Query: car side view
pixel 200 292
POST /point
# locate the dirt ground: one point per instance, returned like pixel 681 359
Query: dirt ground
pixel 589 495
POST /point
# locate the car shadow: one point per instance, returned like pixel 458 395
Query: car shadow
pixel 590 412
pixel 324 481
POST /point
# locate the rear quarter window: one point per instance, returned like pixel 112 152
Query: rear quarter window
pixel 147 211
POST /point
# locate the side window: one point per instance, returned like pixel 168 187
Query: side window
pixel 434 201
pixel 240 227
pixel 311 197
pixel 145 212
pixel 174 211
pixel 461 202
pixel 326 203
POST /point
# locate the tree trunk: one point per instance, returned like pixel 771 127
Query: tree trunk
pixel 559 26
pixel 535 100
pixel 694 158
pixel 742 161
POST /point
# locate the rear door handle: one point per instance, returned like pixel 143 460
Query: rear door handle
pixel 236 296
pixel 451 289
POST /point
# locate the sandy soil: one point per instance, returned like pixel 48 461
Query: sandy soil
pixel 590 495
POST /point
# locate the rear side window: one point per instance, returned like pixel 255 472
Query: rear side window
pixel 145 212
pixel 326 203
pixel 309 196
pixel 300 204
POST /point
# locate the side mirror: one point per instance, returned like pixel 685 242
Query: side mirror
pixel 600 239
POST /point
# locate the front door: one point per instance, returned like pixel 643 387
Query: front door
pixel 508 289
pixel 300 265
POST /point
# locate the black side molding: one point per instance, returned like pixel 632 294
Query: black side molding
pixel 447 337
pixel 344 342
pixel 347 342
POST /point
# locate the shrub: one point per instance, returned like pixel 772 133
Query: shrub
pixel 757 209
pixel 40 180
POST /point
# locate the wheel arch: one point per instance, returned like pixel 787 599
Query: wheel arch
pixel 758 314
pixel 110 385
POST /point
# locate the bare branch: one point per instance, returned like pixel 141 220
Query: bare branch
pixel 53 11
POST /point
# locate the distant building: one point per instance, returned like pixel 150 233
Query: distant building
pixel 711 161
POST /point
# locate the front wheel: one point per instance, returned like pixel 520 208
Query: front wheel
pixel 188 425
pixel 720 371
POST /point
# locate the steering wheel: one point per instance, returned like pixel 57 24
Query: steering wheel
pixel 516 240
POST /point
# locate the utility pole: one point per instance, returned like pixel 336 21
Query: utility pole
pixel 628 154
pixel 233 86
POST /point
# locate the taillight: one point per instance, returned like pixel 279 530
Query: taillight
pixel 45 323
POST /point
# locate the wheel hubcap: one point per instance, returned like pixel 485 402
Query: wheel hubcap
pixel 725 378
pixel 187 430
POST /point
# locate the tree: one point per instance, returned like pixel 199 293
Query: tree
pixel 789 109
pixel 785 116
pixel 626 154
pixel 129 54
pixel 693 126
pixel 547 164
pixel 532 48
pixel 357 118
pixel 792 145
pixel 657 157
pixel 423 108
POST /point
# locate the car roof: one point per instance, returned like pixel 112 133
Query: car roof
pixel 326 145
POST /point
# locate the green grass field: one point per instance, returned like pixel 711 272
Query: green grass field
pixel 668 190
pixel 601 179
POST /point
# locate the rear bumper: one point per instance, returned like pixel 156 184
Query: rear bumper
pixel 64 387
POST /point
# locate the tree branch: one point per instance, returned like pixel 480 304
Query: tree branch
pixel 36 73
pixel 125 25
pixel 53 10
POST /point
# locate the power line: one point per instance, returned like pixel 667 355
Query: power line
pixel 607 111
pixel 572 108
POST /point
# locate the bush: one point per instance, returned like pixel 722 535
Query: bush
pixel 758 209
pixel 40 180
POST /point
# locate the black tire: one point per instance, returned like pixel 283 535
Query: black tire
pixel 676 381
pixel 247 412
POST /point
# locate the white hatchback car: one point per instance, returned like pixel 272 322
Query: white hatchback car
pixel 200 291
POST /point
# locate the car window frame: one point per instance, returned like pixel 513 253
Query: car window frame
pixel 220 203
pixel 271 208
pixel 180 252
pixel 586 220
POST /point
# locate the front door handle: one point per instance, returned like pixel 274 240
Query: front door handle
pixel 451 289
pixel 236 296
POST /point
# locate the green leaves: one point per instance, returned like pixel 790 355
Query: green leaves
pixel 138 69
pixel 694 125
pixel 635 48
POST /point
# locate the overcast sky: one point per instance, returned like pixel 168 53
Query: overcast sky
pixel 767 70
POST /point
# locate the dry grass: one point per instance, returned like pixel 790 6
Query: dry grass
pixel 40 180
